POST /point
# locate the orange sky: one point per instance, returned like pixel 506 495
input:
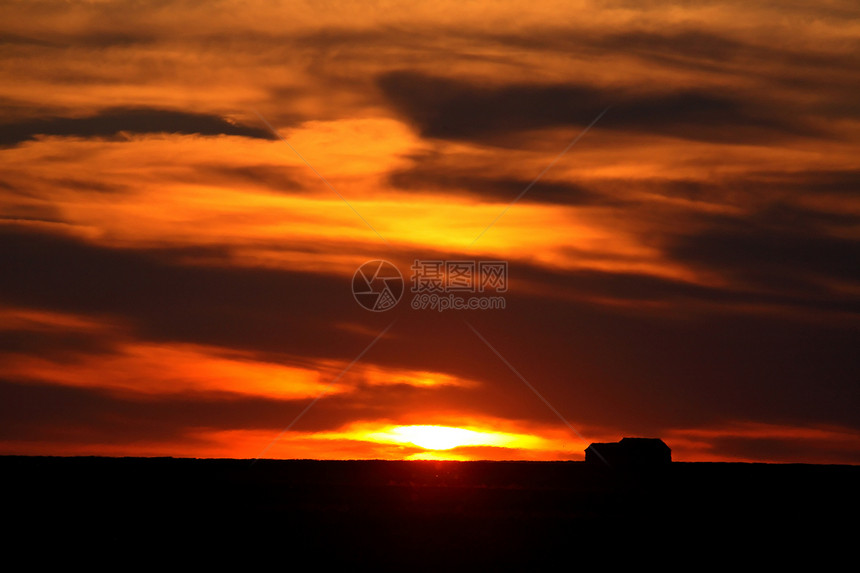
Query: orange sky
pixel 175 279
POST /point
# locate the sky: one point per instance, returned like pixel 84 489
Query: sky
pixel 187 190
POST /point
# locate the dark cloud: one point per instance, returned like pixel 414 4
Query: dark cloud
pixel 266 309
pixel 779 192
pixel 788 449
pixel 33 411
pixel 87 185
pixel 459 109
pixel 643 288
pixel 816 75
pixel 780 248
pixel 64 347
pixel 271 177
pixel 709 52
pixel 774 194
pixel 836 10
pixel 644 371
pixel 17 40
pixel 113 121
pixel 32 212
pixel 428 178
pixel 808 182
pixel 687 45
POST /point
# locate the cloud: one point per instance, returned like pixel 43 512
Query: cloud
pixel 688 265
pixel 456 109
pixel 623 355
pixel 781 248
pixel 114 121
pixel 61 414
pixel 756 442
pixel 220 305
pixel 427 177
pixel 275 178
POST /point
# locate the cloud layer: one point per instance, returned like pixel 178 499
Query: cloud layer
pixel 175 278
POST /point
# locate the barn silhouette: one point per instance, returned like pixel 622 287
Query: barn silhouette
pixel 630 452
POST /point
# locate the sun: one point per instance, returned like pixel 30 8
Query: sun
pixel 440 438
pixel 437 442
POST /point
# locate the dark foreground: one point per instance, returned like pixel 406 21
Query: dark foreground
pixel 427 515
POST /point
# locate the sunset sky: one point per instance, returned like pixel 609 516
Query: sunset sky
pixel 175 276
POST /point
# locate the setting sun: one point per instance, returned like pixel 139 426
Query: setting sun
pixel 441 437
pixel 447 437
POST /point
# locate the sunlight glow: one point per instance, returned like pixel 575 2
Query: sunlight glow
pixel 446 437
pixel 438 456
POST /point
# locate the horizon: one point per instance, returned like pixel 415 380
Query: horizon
pixel 485 232
pixel 252 461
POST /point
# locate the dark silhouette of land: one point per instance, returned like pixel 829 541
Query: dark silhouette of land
pixel 630 453
pixel 426 515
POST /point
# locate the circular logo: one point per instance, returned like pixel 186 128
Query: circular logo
pixel 377 285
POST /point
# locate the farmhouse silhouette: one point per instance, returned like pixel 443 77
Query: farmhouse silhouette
pixel 630 452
